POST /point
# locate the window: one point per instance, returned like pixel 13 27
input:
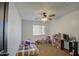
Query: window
pixel 38 29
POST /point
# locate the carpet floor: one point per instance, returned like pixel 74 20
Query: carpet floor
pixel 49 50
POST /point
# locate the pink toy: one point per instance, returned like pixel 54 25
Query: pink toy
pixel 56 40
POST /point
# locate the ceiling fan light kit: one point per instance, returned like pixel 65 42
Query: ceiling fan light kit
pixel 44 19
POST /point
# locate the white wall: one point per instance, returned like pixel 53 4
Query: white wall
pixel 27 29
pixel 66 24
pixel 14 30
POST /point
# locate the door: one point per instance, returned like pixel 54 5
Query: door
pixel 1 24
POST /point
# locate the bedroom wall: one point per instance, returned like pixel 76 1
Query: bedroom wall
pixel 68 23
pixel 27 29
pixel 14 30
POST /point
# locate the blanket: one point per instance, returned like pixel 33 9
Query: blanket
pixel 30 50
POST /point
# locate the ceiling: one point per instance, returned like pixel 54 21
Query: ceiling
pixel 32 10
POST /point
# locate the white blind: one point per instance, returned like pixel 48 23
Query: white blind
pixel 38 29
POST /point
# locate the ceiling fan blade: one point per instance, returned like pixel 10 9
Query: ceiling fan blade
pixel 44 14
pixel 52 15
pixel 49 18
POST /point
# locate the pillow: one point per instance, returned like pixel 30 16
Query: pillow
pixel 26 43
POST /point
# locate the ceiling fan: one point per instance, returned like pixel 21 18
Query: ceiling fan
pixel 46 17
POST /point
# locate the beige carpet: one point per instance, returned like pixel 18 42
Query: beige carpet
pixel 49 50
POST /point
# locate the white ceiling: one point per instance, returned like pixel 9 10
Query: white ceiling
pixel 32 10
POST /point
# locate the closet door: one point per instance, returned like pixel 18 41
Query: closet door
pixel 5 22
pixel 1 24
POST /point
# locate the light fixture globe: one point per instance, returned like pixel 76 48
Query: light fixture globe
pixel 44 19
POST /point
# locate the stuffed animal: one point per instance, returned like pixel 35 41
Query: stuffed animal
pixel 56 40
pixel 27 42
